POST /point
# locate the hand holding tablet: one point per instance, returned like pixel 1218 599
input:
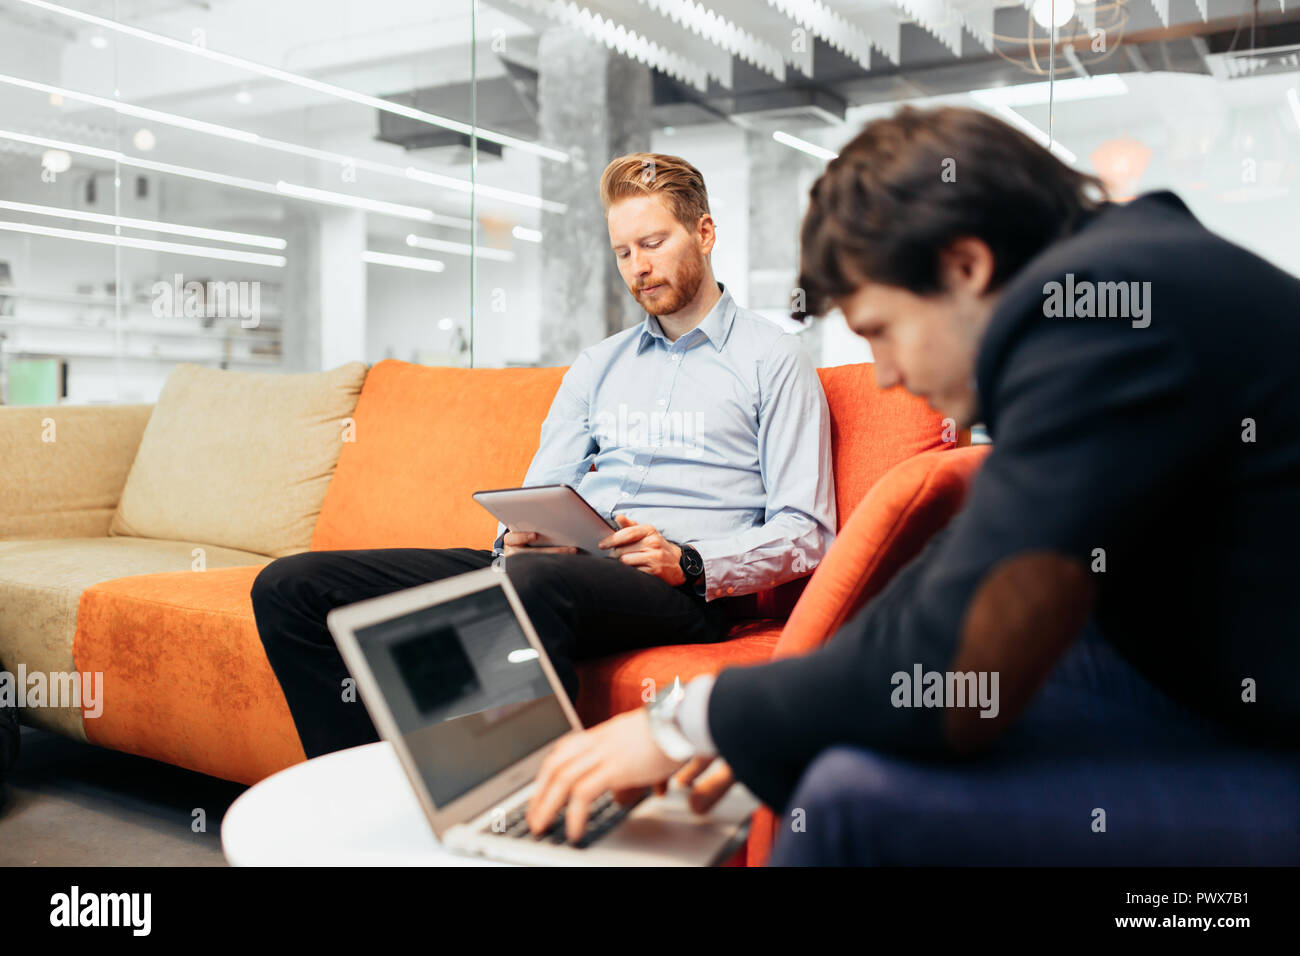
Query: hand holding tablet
pixel 557 513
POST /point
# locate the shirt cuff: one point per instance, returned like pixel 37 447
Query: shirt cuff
pixel 693 716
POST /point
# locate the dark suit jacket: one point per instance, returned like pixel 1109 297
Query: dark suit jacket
pixel 1167 445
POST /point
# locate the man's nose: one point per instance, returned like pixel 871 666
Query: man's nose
pixel 886 374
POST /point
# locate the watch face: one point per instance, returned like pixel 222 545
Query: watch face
pixel 692 562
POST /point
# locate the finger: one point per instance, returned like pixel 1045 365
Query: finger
pixel 561 792
pixel 637 557
pixel 628 535
pixel 630 794
pixel 552 786
pixel 712 788
pixel 693 769
pixel 581 796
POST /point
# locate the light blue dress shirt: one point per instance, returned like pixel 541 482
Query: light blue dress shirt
pixel 721 440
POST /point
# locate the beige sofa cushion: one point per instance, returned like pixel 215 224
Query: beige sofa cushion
pixel 62 468
pixel 40 587
pixel 239 459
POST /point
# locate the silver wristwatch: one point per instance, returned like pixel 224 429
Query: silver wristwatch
pixel 667 735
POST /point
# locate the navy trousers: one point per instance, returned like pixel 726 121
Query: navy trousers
pixel 1103 768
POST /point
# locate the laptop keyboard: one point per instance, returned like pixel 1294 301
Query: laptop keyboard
pixel 605 814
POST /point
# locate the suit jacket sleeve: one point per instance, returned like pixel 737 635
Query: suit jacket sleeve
pixel 1092 417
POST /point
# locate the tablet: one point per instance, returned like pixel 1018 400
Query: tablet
pixel 558 513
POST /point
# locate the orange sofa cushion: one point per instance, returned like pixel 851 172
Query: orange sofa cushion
pixel 872 431
pixel 611 685
pixel 894 521
pixel 426 439
pixel 185 678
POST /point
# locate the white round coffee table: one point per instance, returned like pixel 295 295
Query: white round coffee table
pixel 354 807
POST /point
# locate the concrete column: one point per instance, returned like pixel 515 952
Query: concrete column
pixel 324 290
pixel 342 286
pixel 596 104
pixel 779 179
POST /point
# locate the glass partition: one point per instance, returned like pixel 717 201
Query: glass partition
pixel 290 185
pixel 258 186
pixel 1198 97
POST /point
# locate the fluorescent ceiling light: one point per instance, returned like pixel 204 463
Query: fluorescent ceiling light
pixel 1038 94
pixel 281 188
pixel 402 262
pixel 459 248
pixel 526 234
pixel 329 197
pixel 812 149
pixel 311 152
pixel 155 245
pixel 305 82
pixel 149 225
pixel 1034 133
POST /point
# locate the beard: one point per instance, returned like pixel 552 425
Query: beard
pixel 674 295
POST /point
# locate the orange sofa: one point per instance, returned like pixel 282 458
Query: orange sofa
pixel 185 677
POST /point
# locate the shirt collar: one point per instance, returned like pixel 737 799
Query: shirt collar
pixel 715 326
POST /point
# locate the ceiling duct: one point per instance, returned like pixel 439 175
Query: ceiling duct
pixel 507 103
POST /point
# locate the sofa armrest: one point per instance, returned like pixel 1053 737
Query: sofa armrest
pixel 908 506
pixel 63 467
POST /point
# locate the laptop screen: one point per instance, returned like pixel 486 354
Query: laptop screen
pixel 466 689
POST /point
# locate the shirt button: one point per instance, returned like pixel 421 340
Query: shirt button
pixel 663 401
pixel 643 467
pixel 623 495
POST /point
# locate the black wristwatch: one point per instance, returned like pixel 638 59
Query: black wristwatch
pixel 692 564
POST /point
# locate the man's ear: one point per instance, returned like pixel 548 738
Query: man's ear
pixel 707 232
pixel 967 264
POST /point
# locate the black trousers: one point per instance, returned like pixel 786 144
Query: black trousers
pixel 580 605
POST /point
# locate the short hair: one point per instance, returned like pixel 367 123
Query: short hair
pixel 649 174
pixel 884 209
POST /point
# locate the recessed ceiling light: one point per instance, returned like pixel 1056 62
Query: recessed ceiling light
pixel 144 139
pixel 1047 13
pixel 56 161
pixel 99 41
pixel 243 96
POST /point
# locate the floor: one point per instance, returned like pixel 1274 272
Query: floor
pixel 73 804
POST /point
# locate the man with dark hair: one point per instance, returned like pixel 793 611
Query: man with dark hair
pixel 1115 599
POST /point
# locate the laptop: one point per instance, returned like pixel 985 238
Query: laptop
pixel 453 676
